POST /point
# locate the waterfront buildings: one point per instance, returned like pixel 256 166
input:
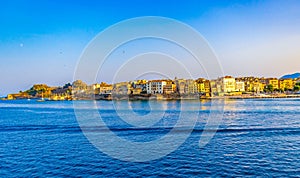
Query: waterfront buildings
pixel 251 84
pixel 214 88
pixel 155 86
pixel 240 86
pixel 190 87
pixel 122 88
pixel 104 88
pixel 227 84
pixel 21 95
pixel 286 84
pixel 274 82
pixel 170 87
pixel 201 87
pixel 180 85
pixel 139 87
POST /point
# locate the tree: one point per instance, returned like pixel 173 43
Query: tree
pixel 269 88
pixel 67 85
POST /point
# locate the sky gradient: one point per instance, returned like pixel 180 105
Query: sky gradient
pixel 41 41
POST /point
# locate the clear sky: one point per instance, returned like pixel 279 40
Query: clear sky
pixel 41 41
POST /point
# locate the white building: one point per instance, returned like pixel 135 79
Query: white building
pixel 227 84
pixel 155 86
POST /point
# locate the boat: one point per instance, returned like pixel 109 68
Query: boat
pixel 42 99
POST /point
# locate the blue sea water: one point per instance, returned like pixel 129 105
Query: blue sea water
pixel 256 137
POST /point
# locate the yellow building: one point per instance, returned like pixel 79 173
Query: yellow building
pixel 240 86
pixel 10 97
pixel 200 85
pixel 252 84
pixel 136 91
pixel 102 88
pixel 170 87
pixel 140 82
pixel 203 86
pixel 286 84
pixel 207 88
pixel 21 95
pixel 190 87
pixel 105 88
pixel 262 86
pixel 274 82
pixel 186 86
pixel 96 86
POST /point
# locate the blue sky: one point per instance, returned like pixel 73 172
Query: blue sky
pixel 41 41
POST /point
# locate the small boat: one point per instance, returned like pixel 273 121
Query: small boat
pixel 42 99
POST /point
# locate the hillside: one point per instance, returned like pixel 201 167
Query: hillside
pixel 295 75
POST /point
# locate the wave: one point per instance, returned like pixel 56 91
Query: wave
pixel 62 128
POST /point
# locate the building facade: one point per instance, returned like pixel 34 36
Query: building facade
pixel 155 86
pixel 240 86
pixel 286 84
pixel 227 84
pixel 274 82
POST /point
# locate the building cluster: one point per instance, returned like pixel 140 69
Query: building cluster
pixel 227 85
pixel 230 85
pixel 223 86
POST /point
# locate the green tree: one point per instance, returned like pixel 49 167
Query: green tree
pixel 269 88
pixel 67 85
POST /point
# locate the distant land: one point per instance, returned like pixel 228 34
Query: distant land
pixel 292 76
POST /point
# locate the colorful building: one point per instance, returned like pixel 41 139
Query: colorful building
pixel 170 87
pixel 105 88
pixel 190 87
pixel 139 86
pixel 274 82
pixel 203 86
pixel 240 86
pixel 286 84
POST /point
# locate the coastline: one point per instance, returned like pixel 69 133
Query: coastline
pixel 163 98
pixel 258 97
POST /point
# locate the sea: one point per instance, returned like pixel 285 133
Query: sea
pixel 224 138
